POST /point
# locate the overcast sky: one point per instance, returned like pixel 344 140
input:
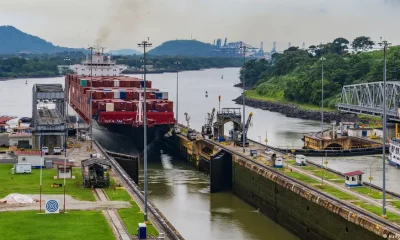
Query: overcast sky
pixel 123 23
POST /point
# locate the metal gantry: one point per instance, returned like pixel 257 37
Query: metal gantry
pixel 367 99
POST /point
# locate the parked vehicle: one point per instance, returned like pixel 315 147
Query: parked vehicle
pixel 57 151
pixel 191 135
pixel 45 150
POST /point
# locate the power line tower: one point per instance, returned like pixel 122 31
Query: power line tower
pixel 303 46
pixel 289 45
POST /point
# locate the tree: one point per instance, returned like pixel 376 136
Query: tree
pixel 362 43
pixel 339 46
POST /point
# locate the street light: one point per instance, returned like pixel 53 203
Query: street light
pixel 322 96
pixel 91 95
pixel 244 47
pixel 145 44
pixel 385 45
pixel 177 92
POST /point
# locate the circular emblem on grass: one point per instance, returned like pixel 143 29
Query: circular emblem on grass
pixel 52 206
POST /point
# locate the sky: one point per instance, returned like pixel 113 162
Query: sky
pixel 117 24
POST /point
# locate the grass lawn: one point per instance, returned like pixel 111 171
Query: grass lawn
pixel 118 195
pixel 301 177
pixel 131 216
pixel 3 149
pixel 291 162
pixel 309 168
pixel 327 175
pixel 337 180
pixel 374 194
pixel 22 225
pixel 396 204
pixel 335 192
pixel 378 211
pixel 29 183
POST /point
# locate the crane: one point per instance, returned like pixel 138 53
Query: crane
pixel 239 135
pixel 206 130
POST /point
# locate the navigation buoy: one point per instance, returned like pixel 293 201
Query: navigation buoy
pixel 206 94
pixel 26 81
pixel 222 76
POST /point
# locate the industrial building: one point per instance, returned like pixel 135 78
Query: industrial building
pixel 48 115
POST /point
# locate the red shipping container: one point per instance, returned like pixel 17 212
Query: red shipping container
pixel 135 95
pixel 119 105
pixel 98 95
pixel 149 106
pixel 128 106
pixel 102 106
pixel 152 96
pixel 135 84
pixel 110 95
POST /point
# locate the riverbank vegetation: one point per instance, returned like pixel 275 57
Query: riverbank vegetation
pixel 295 74
pixel 48 65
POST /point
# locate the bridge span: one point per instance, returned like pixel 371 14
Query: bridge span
pixel 367 99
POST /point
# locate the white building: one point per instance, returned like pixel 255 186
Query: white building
pixel 353 179
pixel 21 140
pixel 33 157
pixel 360 132
pixel 99 66
pixel 64 171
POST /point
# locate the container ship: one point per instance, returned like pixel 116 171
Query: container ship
pixel 117 101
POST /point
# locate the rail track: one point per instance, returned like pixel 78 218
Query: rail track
pixel 112 217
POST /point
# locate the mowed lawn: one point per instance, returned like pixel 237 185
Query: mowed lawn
pixel 23 225
pixel 29 183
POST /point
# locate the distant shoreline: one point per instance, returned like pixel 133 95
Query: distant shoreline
pixel 124 72
pixel 27 77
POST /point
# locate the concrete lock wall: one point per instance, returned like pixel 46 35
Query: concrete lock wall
pixel 294 212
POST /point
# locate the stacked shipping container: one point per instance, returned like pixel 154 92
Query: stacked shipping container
pixel 113 95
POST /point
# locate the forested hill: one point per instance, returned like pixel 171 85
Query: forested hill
pixel 13 40
pixel 184 48
pixel 295 74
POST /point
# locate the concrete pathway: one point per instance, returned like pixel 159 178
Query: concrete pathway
pixel 71 204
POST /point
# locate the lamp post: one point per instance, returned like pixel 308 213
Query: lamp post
pixel 244 47
pixel 385 45
pixel 177 92
pixel 145 44
pixel 322 96
pixel 90 99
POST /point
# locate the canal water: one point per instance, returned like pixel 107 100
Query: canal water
pixel 181 192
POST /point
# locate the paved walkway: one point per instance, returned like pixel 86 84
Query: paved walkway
pixel 71 204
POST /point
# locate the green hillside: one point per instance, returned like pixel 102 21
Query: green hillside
pixel 13 40
pixel 295 74
pixel 184 48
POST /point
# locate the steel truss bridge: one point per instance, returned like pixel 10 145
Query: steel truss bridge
pixel 367 99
